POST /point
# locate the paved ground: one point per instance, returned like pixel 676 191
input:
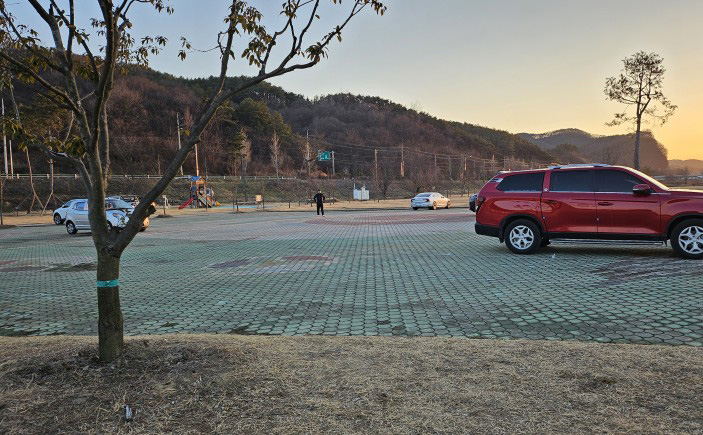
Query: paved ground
pixel 350 273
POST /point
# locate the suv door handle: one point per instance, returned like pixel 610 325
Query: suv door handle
pixel 604 203
pixel 551 201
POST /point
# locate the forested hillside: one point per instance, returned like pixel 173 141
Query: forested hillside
pixel 577 146
pixel 359 129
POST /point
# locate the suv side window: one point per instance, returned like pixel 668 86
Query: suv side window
pixel 571 181
pixel 80 206
pixel 613 181
pixel 522 183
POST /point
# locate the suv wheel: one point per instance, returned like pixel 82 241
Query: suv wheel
pixel 71 228
pixel 57 219
pixel 523 236
pixel 687 239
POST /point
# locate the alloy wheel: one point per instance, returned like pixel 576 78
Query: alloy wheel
pixel 521 237
pixel 691 240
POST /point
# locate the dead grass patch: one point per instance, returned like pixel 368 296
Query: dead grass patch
pixel 254 384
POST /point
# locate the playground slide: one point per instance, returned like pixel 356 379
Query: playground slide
pixel 185 204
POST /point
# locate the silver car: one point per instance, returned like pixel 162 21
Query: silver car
pixel 60 213
pixel 430 200
pixel 116 211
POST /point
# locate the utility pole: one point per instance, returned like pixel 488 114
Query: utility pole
pixel 4 140
pixel 197 168
pixel 402 160
pixel 178 124
pixel 307 153
pixel 375 161
pixel 332 163
pixel 435 167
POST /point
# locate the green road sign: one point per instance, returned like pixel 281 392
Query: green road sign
pixel 324 156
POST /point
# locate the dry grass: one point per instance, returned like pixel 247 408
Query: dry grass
pixel 253 384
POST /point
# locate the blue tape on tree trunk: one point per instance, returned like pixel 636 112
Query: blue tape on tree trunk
pixel 112 283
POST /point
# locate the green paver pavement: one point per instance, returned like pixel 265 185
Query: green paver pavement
pixel 350 273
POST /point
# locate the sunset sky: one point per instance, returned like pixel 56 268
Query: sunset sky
pixel 518 65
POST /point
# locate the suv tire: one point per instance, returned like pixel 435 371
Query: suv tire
pixel 71 228
pixel 523 236
pixel 57 219
pixel 687 239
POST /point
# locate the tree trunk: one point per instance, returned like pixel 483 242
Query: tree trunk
pixel 110 323
pixel 636 160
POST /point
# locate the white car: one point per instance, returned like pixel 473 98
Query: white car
pixel 60 213
pixel 431 200
pixel 116 210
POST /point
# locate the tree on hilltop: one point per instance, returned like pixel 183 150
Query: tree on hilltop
pixel 639 86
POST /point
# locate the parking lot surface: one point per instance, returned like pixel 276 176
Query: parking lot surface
pixel 402 273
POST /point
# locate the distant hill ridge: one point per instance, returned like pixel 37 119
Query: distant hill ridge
pixel 576 146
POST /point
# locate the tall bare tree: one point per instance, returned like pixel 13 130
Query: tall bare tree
pixel 639 86
pixel 77 65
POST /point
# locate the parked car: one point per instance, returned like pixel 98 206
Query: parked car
pixel 132 199
pixel 60 213
pixel 529 209
pixel 430 200
pixel 117 213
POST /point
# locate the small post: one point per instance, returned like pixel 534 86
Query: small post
pixel 236 201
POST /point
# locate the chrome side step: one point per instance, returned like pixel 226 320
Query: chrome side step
pixel 607 242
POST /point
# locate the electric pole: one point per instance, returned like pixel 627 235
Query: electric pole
pixel 402 160
pixel 332 163
pixel 197 168
pixel 4 140
pixel 178 124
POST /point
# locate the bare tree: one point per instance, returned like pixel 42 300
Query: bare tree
pixel 275 149
pixel 74 61
pixel 639 85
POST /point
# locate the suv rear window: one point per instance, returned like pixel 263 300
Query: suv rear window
pixel 522 183
pixel 615 181
pixel 571 181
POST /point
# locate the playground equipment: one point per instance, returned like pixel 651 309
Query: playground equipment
pixel 200 194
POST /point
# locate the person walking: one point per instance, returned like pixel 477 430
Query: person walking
pixel 320 200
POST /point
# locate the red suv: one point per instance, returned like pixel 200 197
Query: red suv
pixel 528 209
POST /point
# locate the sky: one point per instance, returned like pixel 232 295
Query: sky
pixel 517 65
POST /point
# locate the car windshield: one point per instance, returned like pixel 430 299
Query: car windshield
pixel 650 180
pixel 117 204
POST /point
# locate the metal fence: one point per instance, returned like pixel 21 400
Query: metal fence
pixel 148 176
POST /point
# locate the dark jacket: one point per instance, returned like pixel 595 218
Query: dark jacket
pixel 319 198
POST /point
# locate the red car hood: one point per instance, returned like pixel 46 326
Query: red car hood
pixel 686 193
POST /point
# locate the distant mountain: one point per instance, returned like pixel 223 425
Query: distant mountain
pixel 616 149
pixel 359 129
pixel 694 165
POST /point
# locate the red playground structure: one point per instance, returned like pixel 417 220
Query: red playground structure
pixel 200 194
